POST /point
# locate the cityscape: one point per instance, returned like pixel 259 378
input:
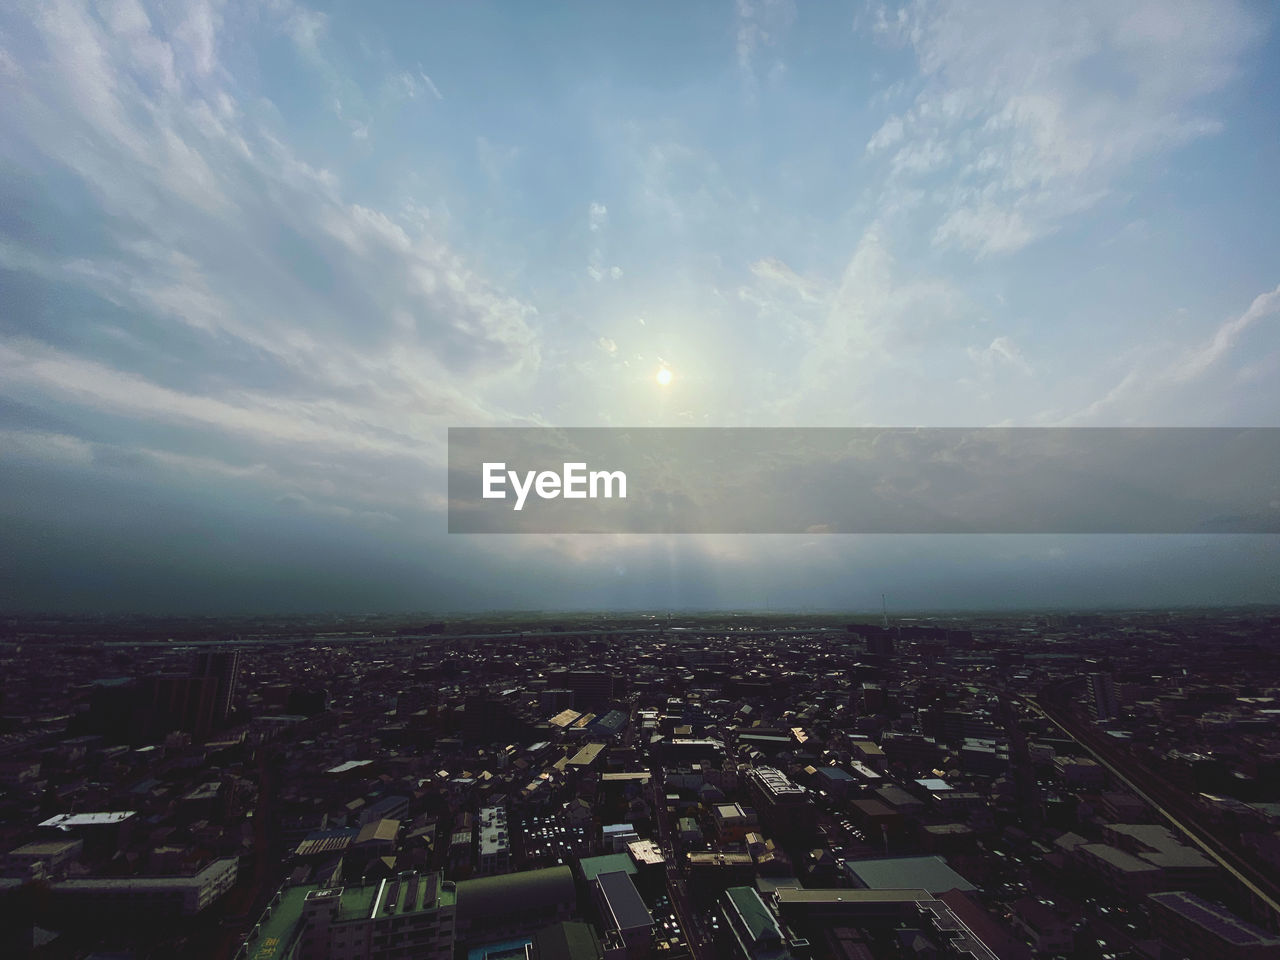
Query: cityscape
pixel 755 786
pixel 720 480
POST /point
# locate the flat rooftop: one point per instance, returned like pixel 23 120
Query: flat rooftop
pixel 587 755
pixel 623 901
pixel 277 930
pixel 843 895
pixel 592 867
pixel 903 873
pixel 88 819
pixel 1217 920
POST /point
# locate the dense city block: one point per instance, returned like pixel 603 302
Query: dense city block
pixel 740 786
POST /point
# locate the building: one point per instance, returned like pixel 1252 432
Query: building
pixel 592 689
pixel 1079 772
pixel 224 667
pixel 1103 704
pixel 711 872
pixel 689 832
pixel 592 867
pixel 1127 875
pixel 1209 930
pixel 615 837
pixel 609 725
pixel 514 904
pixel 495 841
pixel 835 781
pixel 169 702
pixel 102 832
pixel 491 719
pixel 553 701
pixel 954 925
pixel 903 873
pixel 628 925
pixel 566 941
pixel 586 758
pixel 811 909
pixel 732 822
pixel 1049 932
pixel 750 930
pixel 41 858
pixel 375 840
pixel 145 897
pixel 782 806
pixel 1182 867
pixel 406 917
pixel 683 751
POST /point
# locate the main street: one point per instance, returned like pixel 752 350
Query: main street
pixel 676 889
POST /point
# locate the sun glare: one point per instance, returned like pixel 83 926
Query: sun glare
pixel 663 377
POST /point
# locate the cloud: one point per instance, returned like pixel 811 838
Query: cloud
pixel 597 221
pixel 431 86
pixel 1035 111
pixel 228 287
pixel 1168 378
pixel 1001 352
pixel 758 27
pixel 847 343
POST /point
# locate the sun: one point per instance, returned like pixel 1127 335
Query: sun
pixel 663 377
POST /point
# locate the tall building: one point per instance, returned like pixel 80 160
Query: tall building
pixel 1103 704
pixel 592 689
pixel 491 718
pixel 495 841
pixel 169 702
pixel 224 667
pixel 783 807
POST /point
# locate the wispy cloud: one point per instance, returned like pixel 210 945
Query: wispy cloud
pixel 1035 111
pixel 1169 377
pixel 223 243
pixel 759 25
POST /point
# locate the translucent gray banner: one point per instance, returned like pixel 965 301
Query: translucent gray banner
pixel 864 480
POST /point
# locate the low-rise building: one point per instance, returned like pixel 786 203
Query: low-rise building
pixel 146 896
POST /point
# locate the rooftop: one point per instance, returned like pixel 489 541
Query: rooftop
pixel 277 930
pixel 623 901
pixel 64 820
pixel 756 919
pixel 900 873
pixel 587 755
pixel 592 867
pixel 1217 920
pixel 495 896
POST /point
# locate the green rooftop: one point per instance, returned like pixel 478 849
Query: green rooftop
pixel 754 913
pixel 275 938
pixel 592 867
pixel 357 902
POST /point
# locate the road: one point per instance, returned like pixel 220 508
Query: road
pixel 676 889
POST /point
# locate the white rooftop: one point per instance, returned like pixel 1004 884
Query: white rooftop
pixel 88 819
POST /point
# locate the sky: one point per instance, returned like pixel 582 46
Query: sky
pixel 257 257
